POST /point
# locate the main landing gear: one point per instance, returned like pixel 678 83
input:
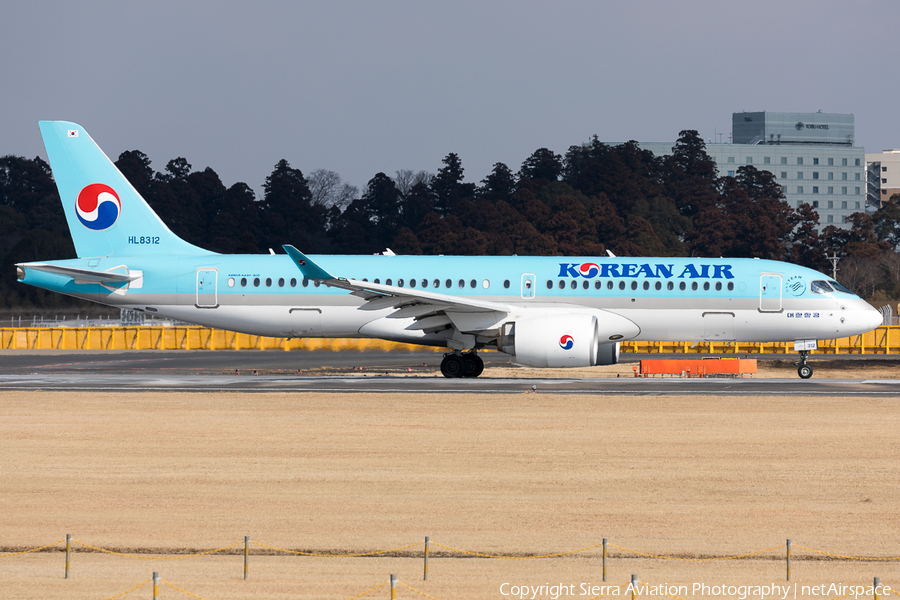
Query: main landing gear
pixel 457 364
pixel 804 370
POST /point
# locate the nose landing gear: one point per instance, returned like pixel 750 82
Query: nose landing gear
pixel 457 364
pixel 804 370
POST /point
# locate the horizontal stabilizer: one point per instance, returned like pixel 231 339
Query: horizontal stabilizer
pixel 83 275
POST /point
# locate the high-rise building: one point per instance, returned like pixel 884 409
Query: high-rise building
pixel 811 155
pixel 883 176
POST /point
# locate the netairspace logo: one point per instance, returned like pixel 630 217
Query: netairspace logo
pixel 771 591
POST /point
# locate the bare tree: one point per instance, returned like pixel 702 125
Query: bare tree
pixel 405 180
pixel 860 275
pixel 328 189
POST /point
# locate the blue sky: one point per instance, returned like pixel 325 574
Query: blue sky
pixel 363 87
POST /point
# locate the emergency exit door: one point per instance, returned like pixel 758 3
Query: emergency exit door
pixel 207 296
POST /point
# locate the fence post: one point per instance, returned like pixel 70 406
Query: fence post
pixel 634 582
pixel 155 585
pixel 425 576
pixel 604 559
pixel 788 559
pixel 68 550
pixel 246 555
pixel 393 587
pixel 875 588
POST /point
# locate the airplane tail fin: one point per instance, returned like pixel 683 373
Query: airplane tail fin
pixel 106 215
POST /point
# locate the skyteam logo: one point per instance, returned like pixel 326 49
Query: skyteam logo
pixel 566 342
pixel 589 270
pixel 98 206
pixel 795 285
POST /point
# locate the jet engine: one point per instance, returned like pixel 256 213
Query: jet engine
pixel 566 340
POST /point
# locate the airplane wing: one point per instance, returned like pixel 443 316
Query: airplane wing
pixel 432 311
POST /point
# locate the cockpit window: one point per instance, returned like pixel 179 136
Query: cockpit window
pixel 839 287
pixel 820 287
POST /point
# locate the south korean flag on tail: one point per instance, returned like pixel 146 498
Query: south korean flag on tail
pixel 73 133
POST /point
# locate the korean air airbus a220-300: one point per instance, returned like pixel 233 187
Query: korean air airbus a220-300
pixel 542 311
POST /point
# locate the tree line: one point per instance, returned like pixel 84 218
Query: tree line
pixel 596 197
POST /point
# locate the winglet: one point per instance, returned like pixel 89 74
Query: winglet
pixel 309 269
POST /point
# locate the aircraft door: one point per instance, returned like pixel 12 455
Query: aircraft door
pixel 528 285
pixel 770 292
pixel 207 296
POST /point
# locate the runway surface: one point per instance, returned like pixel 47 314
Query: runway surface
pixel 366 372
pixel 130 383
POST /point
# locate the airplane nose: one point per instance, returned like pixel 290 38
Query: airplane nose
pixel 872 319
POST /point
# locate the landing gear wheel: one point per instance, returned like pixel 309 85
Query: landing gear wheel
pixel 474 365
pixel 804 370
pixel 453 366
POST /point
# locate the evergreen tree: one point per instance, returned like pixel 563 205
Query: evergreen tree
pixel 448 186
pixel 690 174
pixel 500 184
pixel 288 213
pixel 542 167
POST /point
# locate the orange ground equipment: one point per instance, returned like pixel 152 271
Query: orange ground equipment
pixel 707 367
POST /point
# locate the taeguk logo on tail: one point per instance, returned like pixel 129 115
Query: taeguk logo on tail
pixel 566 342
pixel 98 206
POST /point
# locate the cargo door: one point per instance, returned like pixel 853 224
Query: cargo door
pixel 718 326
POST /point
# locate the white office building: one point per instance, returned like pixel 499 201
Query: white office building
pixel 811 155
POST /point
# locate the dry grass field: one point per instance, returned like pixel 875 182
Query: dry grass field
pixel 508 474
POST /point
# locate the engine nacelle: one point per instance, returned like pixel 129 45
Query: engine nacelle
pixel 566 340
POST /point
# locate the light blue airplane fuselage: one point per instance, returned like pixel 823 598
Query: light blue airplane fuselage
pixel 545 311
